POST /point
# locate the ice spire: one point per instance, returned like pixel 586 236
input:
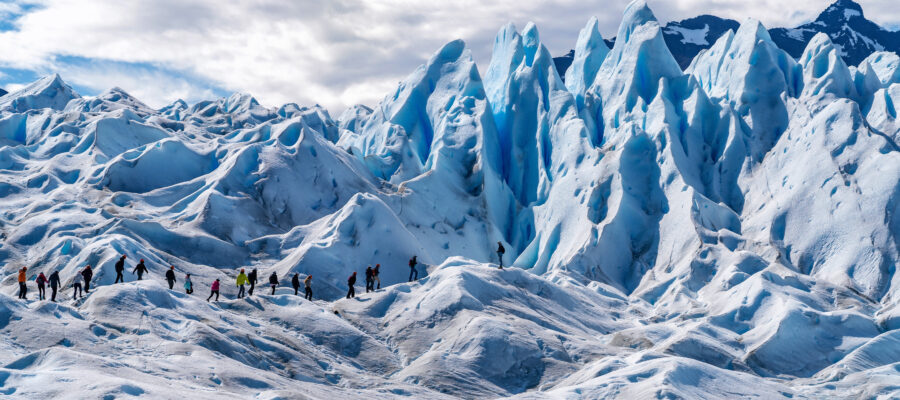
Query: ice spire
pixel 634 67
pixel 823 69
pixel 590 51
pixel 750 74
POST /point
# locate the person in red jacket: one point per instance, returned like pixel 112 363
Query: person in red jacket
pixel 350 282
pixel 214 290
pixel 377 274
pixel 41 281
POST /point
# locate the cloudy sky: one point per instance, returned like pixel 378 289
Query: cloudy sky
pixel 332 52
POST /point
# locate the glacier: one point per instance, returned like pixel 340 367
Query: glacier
pixel 730 230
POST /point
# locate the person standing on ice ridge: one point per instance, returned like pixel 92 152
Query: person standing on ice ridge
pixel 500 252
pixel 370 279
pixel 295 283
pixel 252 277
pixel 41 280
pixel 188 285
pixel 412 269
pixel 76 286
pixel 241 281
pixel 308 283
pixel 376 273
pixel 87 273
pixel 54 284
pixel 140 269
pixel 23 287
pixel 350 282
pixel 273 280
pixel 214 290
pixel 170 276
pixel 120 268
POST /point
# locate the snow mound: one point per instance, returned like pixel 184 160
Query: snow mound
pixel 47 92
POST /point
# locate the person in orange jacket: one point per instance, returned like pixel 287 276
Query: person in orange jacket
pixel 23 288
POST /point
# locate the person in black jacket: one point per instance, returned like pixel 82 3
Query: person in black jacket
pixel 54 284
pixel 412 269
pixel 500 252
pixel 295 282
pixel 252 278
pixel 120 268
pixel 350 282
pixel 87 274
pixel 370 279
pixel 140 269
pixel 170 276
pixel 273 280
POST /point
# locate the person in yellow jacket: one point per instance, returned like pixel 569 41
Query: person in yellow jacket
pixel 241 281
pixel 23 288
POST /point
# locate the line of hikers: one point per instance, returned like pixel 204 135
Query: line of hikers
pixel 252 278
pixel 83 278
pixel 81 282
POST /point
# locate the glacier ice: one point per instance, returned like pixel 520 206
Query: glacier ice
pixel 730 230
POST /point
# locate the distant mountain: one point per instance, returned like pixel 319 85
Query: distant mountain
pixel 686 38
pixel 854 36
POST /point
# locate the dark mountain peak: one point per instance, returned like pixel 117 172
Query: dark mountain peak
pixel 841 10
pixel 701 21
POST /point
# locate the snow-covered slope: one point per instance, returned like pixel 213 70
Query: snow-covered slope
pixel 726 231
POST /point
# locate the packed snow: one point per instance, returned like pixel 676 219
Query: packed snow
pixel 727 231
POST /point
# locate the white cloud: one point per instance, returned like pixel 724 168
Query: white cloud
pixel 14 87
pixel 335 52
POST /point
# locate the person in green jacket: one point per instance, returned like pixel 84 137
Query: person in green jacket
pixel 241 281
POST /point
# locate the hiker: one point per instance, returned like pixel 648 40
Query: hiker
pixel 252 278
pixel 308 283
pixel 500 251
pixel 214 290
pixel 87 273
pixel 370 279
pixel 140 269
pixel 120 268
pixel 350 282
pixel 412 269
pixel 23 288
pixel 170 276
pixel 273 280
pixel 377 274
pixel 241 281
pixel 54 284
pixel 188 285
pixel 76 286
pixel 295 282
pixel 41 280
